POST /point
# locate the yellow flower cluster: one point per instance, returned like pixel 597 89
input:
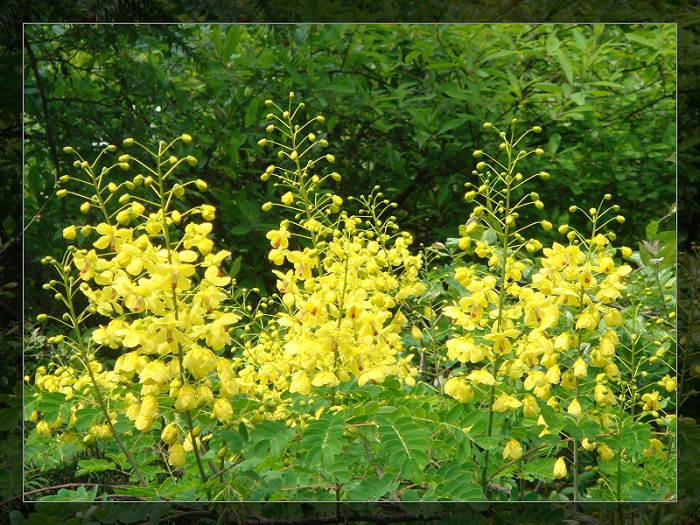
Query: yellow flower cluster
pixel 537 332
pixel 161 284
pixel 340 296
pixel 343 320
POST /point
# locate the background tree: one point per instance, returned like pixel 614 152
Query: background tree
pixel 405 106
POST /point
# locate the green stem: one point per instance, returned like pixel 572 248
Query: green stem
pixel 501 305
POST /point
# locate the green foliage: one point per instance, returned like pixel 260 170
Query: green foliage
pixel 593 84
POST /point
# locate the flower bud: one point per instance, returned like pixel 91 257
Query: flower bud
pixel 268 102
pixel 544 175
pixel 201 185
pixel 537 129
pixel 262 142
pixel 208 212
pixel 620 219
pixel 539 151
pixel 321 119
pixel 69 232
pixel 267 206
pixel 128 142
pixel 330 158
pixel 477 153
pixel 270 128
pixel 61 193
pixel 68 149
pixel 487 125
pixel 546 226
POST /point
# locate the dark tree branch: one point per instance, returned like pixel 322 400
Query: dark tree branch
pixel 53 150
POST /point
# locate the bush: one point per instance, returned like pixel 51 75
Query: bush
pixel 488 366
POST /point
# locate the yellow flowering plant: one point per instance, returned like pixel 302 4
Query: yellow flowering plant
pixel 517 361
pixel 342 277
pixel 550 338
pixel 147 283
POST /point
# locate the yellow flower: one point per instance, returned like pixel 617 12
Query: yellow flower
pixel 155 372
pixel 147 412
pixel 568 381
pixel 602 395
pixel 605 452
pixel 43 429
pixel 607 344
pixel 505 402
pixel 655 446
pixel 169 434
pixel 196 235
pixel 482 377
pixel 612 371
pixel 613 318
pixel 186 398
pixel 513 450
pixel 176 455
pixel 535 379
pixel 300 383
pixel 580 368
pixel 279 239
pixel 464 349
pixel 416 333
pixel 574 408
pixel 222 410
pixel 199 361
pixel 111 236
pixel 553 374
pixel 651 401
pixel 325 378
pixel 530 406
pixel 456 387
pixel 560 468
pixel 588 445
